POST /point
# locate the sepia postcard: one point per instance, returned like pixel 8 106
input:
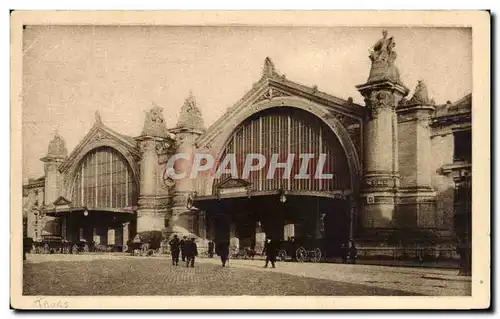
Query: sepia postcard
pixel 250 160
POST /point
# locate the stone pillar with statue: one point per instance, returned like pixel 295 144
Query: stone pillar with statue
pixel 154 141
pixel 382 92
pixel 183 218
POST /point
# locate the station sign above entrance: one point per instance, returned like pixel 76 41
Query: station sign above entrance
pixel 233 187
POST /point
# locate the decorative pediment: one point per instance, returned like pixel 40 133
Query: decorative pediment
pixel 269 94
pixel 61 201
pixel 233 183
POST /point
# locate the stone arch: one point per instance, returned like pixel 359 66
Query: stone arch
pixel 70 177
pixel 320 112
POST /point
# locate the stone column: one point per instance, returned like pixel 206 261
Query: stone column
pixel 189 127
pixel 125 235
pixel 234 241
pixel 155 141
pixel 96 236
pixel 417 196
pixel 260 238
pixel 183 218
pixel 64 221
pixel 382 92
pixel 380 180
pixel 150 215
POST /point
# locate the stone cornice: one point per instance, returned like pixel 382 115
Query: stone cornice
pixel 383 85
pixel 450 119
pixel 36 184
pixel 414 108
pixel 456 167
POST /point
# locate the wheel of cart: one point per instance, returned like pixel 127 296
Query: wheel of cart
pixel 301 254
pixel 282 255
pixel 316 255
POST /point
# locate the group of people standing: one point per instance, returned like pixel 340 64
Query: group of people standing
pixel 186 248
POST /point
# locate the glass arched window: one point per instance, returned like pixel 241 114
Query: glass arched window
pixel 283 131
pixel 104 180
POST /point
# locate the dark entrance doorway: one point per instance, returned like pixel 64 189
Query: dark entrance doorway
pixel 314 221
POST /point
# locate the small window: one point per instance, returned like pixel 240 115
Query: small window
pixel 462 146
pixel 190 225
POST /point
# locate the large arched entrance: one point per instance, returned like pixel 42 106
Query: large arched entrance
pixel 103 200
pixel 308 199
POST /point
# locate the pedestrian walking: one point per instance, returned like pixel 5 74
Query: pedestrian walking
pixel 175 246
pixel 271 250
pixel 344 252
pixel 211 249
pixel 183 248
pixel 353 252
pixel 223 252
pixel 191 251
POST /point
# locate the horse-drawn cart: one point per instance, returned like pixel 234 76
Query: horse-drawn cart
pixel 300 250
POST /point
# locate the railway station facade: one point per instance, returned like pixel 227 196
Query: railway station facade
pixel 394 167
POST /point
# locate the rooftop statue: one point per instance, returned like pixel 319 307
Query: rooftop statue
pixel 57 147
pixel 154 124
pixel 383 55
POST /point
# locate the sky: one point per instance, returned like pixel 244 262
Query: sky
pixel 69 72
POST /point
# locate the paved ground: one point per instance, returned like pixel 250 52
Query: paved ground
pixel 123 275
pixel 422 281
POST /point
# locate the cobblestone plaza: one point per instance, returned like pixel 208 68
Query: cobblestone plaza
pixel 125 276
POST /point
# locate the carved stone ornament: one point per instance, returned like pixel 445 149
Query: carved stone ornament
pixel 162 148
pixel 100 136
pixel 377 183
pixel 154 123
pixel 168 181
pixel 382 55
pixel 57 147
pixel 190 116
pixel 98 119
pixel 379 100
pixel 420 97
pixel 269 69
pixel 270 94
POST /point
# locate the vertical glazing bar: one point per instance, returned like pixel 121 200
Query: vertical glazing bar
pixel 82 199
pixel 260 152
pixel 309 181
pixel 126 186
pixel 95 177
pixel 111 178
pixel 320 183
pixel 289 145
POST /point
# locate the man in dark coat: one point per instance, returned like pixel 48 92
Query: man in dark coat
pixel 223 252
pixel 191 251
pixel 353 252
pixel 183 248
pixel 175 247
pixel 210 249
pixel 271 249
pixel 344 252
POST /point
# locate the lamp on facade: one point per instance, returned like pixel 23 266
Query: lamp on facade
pixel 190 200
pixel 282 196
pixel 86 213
